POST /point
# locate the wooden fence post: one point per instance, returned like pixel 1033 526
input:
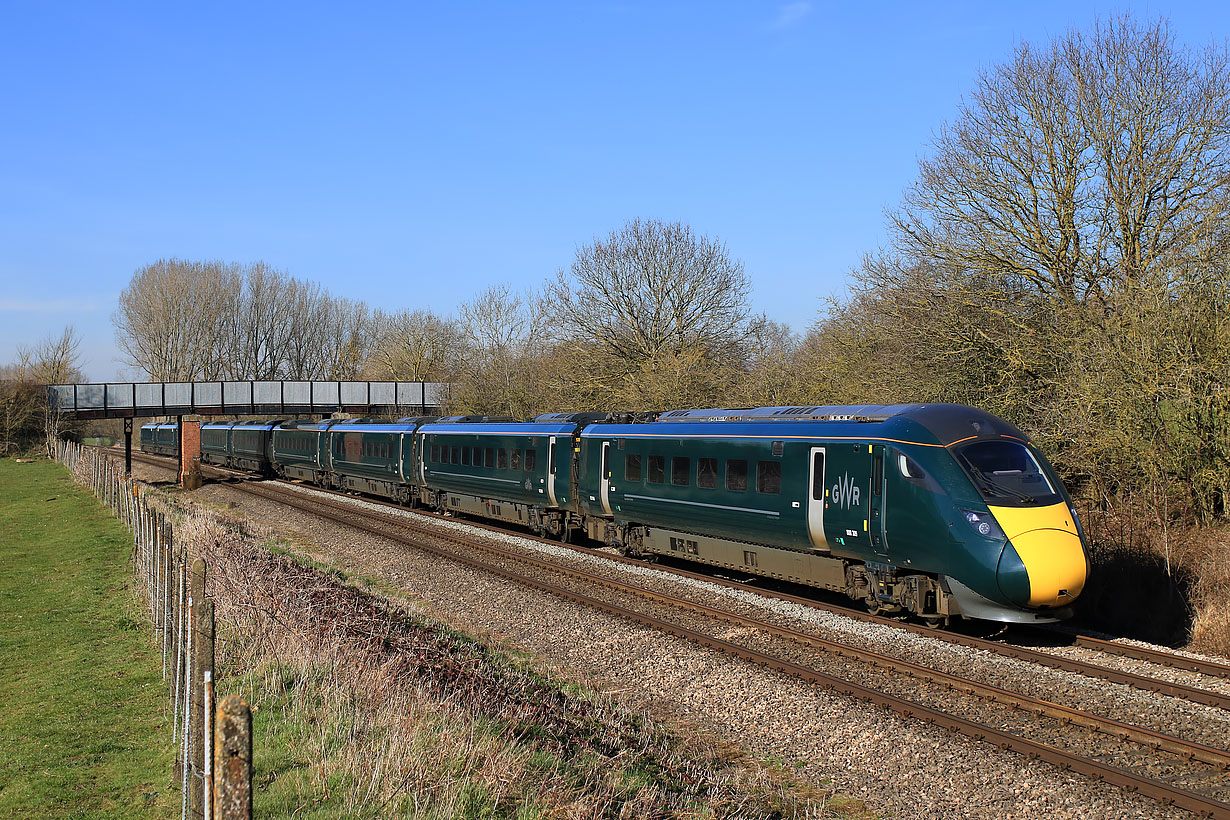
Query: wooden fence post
pixel 233 760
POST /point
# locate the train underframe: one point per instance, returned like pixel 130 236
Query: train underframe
pixel 883 588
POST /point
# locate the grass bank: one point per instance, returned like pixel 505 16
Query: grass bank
pixel 83 731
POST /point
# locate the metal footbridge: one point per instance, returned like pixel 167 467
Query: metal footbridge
pixel 114 400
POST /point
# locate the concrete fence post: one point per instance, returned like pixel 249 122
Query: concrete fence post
pixel 196 594
pixel 202 705
pixel 232 764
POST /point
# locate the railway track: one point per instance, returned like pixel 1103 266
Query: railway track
pixel 1165 767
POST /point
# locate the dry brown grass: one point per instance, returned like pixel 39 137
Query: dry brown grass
pixel 1207 552
pixel 365 709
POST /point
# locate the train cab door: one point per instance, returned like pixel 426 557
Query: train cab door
pixel 551 470
pixel 606 477
pixel 879 544
pixel 816 501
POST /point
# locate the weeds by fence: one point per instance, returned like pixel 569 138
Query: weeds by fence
pixel 213 743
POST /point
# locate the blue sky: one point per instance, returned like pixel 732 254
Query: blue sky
pixel 412 154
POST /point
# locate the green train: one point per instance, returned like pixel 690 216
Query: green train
pixel 937 510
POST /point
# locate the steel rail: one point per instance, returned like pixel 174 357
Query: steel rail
pixel 1131 679
pixel 1141 653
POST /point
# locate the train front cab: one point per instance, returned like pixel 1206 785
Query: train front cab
pixel 986 518
pixel 1041 565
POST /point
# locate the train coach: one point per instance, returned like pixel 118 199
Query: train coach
pixel 160 439
pixel 520 472
pixel 242 445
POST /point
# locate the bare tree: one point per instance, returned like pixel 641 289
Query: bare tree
pixel 503 334
pixel 54 359
pixel 304 353
pixel 651 288
pixel 1080 168
pixel 414 346
pixel 174 315
pixel 23 388
pixel 260 326
pixel 21 401
pixel 345 338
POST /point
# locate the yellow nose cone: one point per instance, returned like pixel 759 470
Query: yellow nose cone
pixel 1055 563
pixel 1047 542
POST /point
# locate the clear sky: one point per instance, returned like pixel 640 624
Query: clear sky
pixel 411 154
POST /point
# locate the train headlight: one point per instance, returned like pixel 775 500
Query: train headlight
pixel 983 523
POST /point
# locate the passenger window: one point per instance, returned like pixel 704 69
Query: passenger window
pixel 681 471
pixel 489 457
pixel 465 455
pixel 736 475
pixel 706 473
pixel 516 458
pixel 501 458
pixel 456 455
pixel 435 452
pixel 657 469
pixel 531 459
pixel 632 468
pixel 769 477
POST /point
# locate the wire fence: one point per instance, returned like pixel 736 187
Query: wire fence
pixel 213 742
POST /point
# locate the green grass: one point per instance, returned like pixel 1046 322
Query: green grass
pixel 83 725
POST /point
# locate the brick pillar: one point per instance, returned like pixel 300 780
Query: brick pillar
pixel 190 454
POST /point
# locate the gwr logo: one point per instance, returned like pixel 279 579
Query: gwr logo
pixel 845 492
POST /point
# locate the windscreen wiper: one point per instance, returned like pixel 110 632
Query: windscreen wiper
pixel 1000 489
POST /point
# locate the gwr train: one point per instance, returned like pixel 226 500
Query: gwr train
pixel 939 510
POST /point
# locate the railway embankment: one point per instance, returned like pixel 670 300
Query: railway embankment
pixel 84 728
pixel 363 708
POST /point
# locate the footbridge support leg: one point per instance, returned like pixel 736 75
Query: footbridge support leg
pixel 128 446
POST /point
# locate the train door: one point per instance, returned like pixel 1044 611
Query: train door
pixel 551 469
pixel 879 544
pixel 606 477
pixel 815 501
